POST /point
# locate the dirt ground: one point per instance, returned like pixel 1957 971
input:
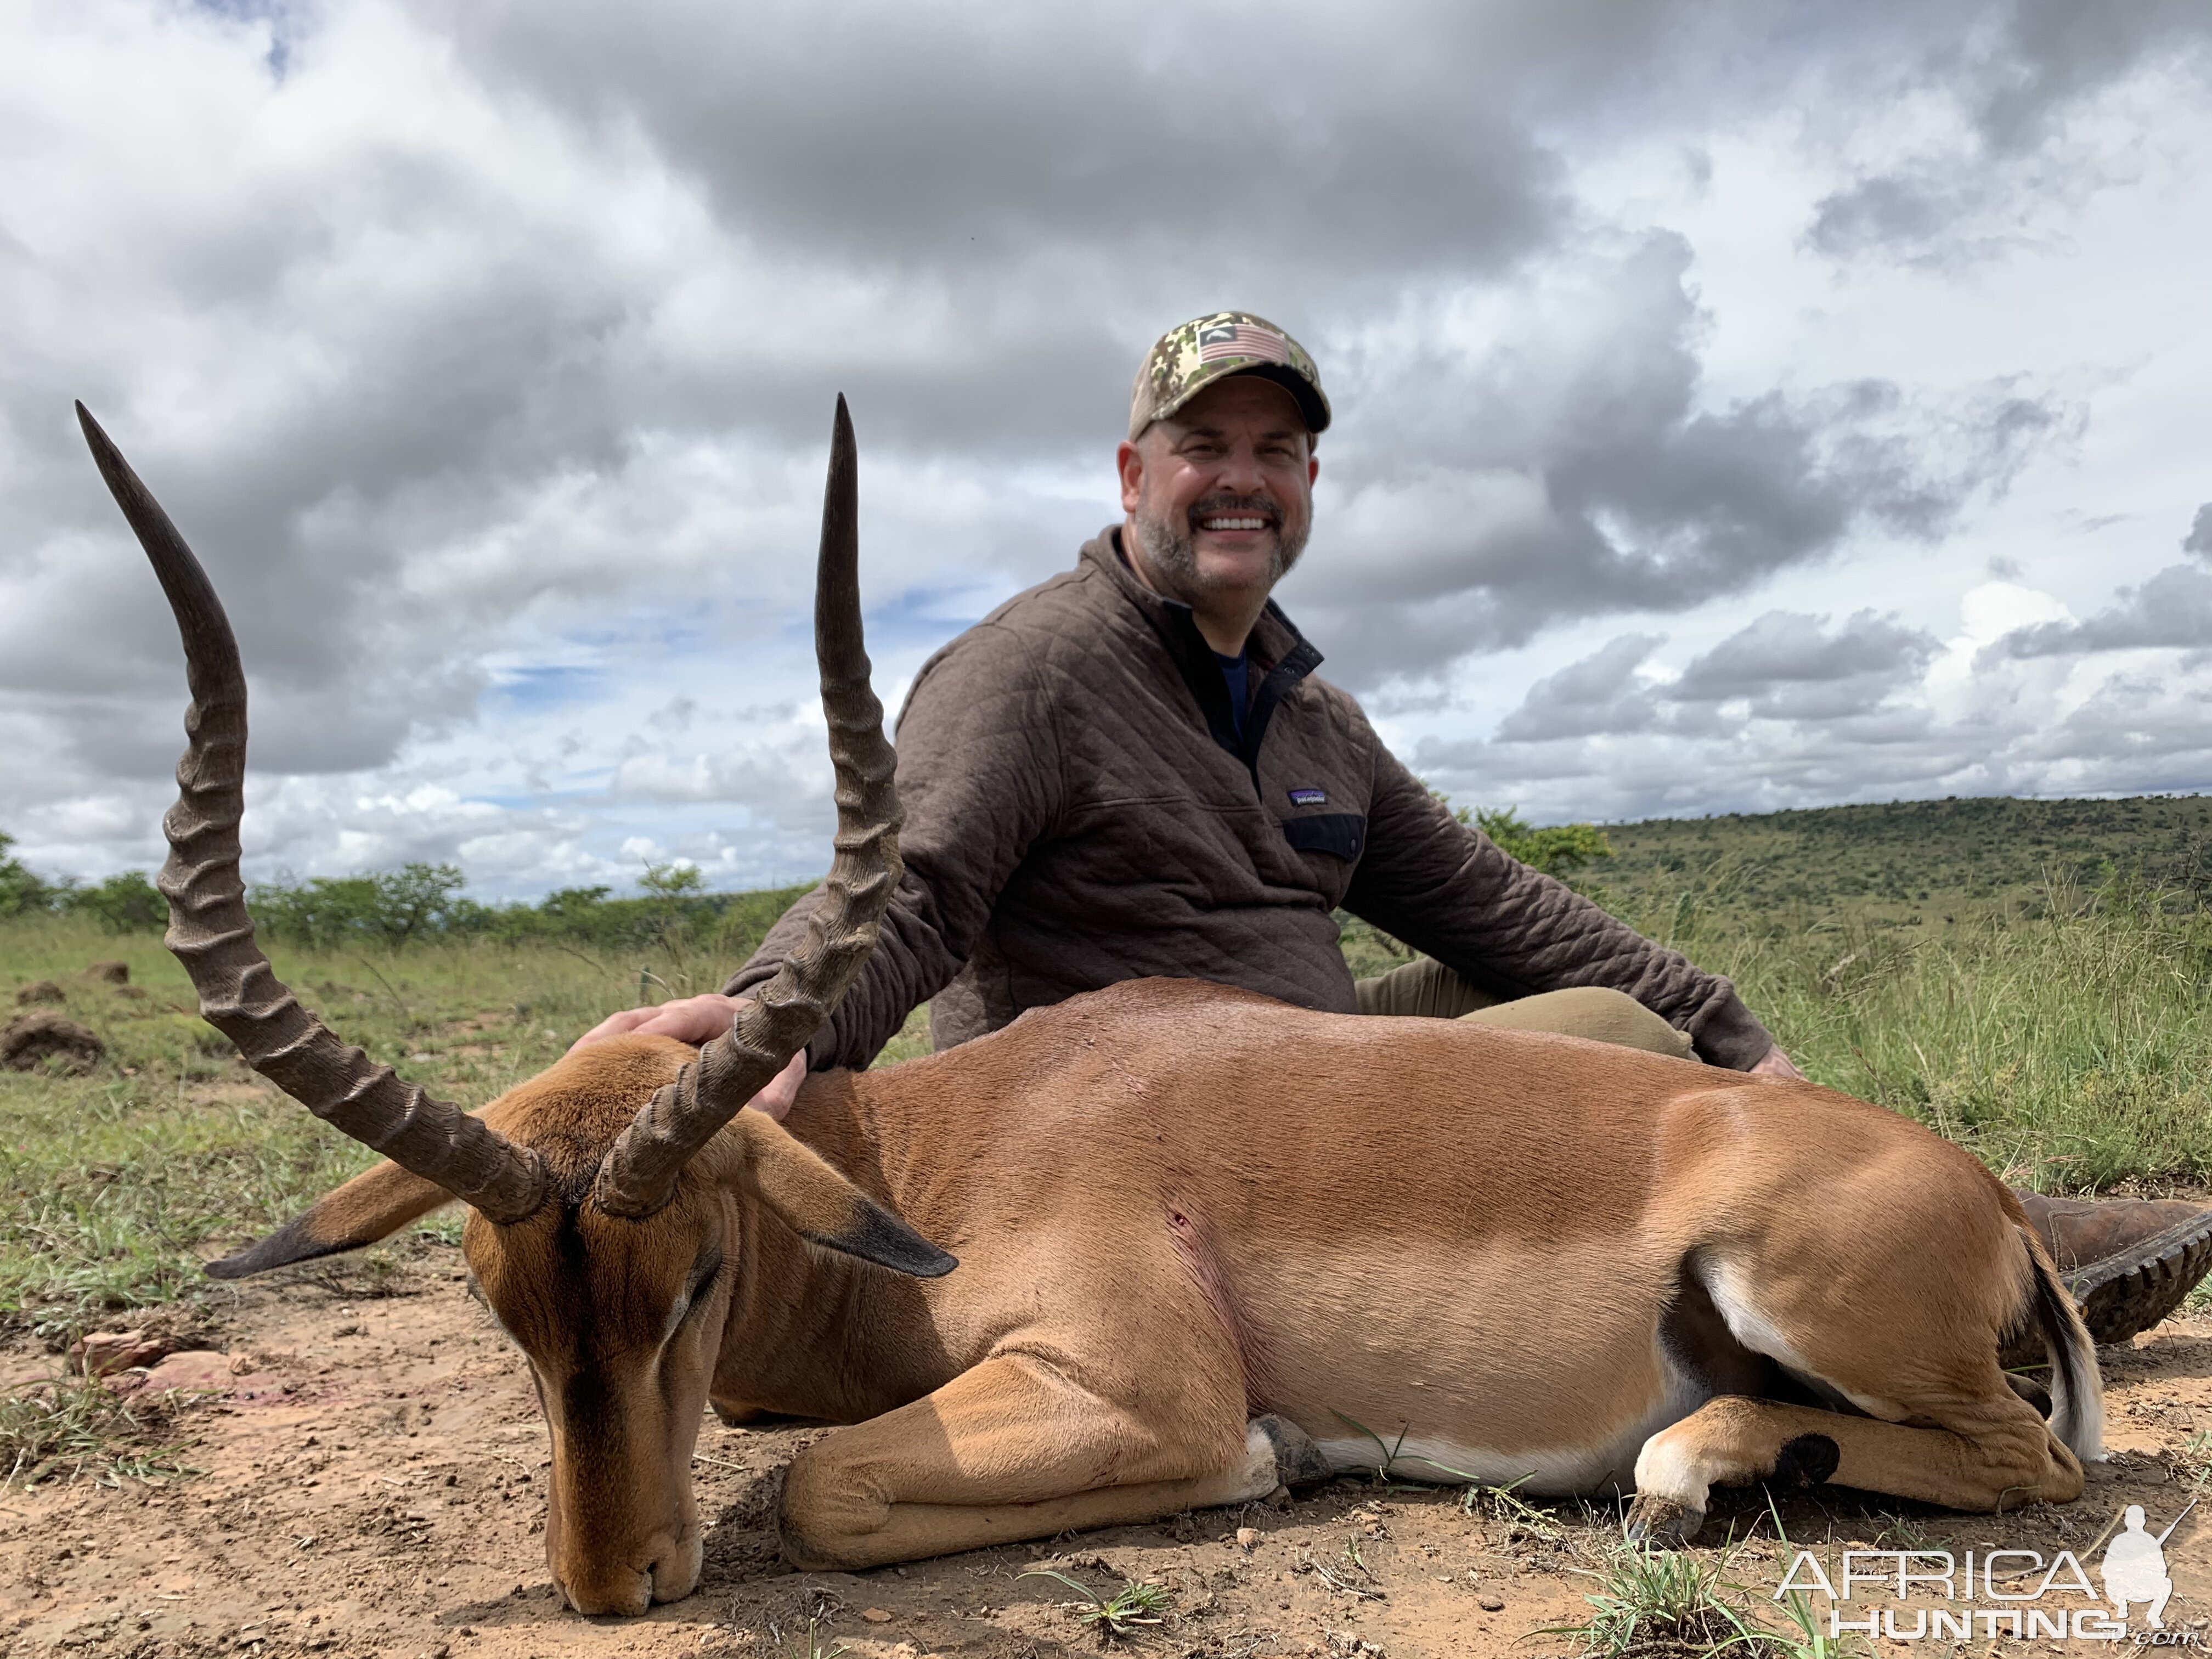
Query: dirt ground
pixel 373 1483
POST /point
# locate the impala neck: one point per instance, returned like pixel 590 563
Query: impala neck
pixel 813 1333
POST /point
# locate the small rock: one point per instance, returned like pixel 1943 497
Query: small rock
pixel 875 1615
pixel 110 973
pixel 97 1353
pixel 39 990
pixel 195 1371
pixel 1491 1603
pixel 30 1039
pixel 1247 1537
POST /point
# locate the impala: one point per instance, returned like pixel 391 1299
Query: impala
pixel 1205 1241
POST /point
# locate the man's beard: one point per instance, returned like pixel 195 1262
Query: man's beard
pixel 1171 549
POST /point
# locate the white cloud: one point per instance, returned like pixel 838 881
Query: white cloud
pixel 486 355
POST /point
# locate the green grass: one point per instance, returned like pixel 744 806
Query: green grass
pixel 2061 1030
pixel 1130 1609
pixel 115 1185
pixel 2065 1037
pixel 1660 1601
pixel 69 1431
pixel 1680 1604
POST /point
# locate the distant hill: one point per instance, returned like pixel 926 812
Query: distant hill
pixel 1919 855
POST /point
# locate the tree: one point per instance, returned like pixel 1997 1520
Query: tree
pixel 1558 850
pixel 20 890
pixel 126 903
pixel 414 900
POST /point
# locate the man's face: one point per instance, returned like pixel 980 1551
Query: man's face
pixel 1222 492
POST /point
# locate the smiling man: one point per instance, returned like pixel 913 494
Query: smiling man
pixel 1133 770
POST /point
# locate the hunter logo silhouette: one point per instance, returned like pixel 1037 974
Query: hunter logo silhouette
pixel 2135 1567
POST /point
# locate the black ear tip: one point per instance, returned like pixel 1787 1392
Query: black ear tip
pixel 882 1238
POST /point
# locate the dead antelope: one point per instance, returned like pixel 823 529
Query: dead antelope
pixel 1201 1235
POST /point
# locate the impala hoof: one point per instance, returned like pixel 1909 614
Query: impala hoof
pixel 1661 1523
pixel 1298 1461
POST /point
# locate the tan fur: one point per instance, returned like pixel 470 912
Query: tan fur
pixel 1179 1208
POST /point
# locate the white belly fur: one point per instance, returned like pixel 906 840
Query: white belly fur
pixel 1556 1472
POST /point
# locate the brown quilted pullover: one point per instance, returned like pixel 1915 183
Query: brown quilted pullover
pixel 1081 809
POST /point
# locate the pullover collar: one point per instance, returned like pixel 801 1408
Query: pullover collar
pixel 1275 645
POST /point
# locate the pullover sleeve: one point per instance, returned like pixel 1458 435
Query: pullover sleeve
pixel 1450 891
pixel 979 778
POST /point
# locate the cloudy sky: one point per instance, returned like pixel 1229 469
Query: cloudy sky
pixel 1739 405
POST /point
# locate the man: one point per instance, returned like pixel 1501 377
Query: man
pixel 1131 770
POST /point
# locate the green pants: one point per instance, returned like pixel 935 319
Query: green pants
pixel 1427 989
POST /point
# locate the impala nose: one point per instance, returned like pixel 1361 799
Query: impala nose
pixel 675 1571
pixel 614 1589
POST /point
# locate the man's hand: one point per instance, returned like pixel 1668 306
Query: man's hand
pixel 1775 1063
pixel 700 1020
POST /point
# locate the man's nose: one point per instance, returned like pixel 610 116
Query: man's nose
pixel 1241 472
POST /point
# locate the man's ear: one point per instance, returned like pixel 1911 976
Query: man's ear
pixel 1130 465
pixel 372 1206
pixel 812 1199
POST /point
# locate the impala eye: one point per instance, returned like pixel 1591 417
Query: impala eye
pixel 703 1273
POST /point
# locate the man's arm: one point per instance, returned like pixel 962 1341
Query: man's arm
pixel 1449 890
pixel 979 779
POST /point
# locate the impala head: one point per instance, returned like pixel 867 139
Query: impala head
pixel 604 1194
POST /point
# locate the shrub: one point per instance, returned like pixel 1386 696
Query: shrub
pixel 123 903
pixel 20 890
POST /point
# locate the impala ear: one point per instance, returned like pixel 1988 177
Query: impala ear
pixel 812 1199
pixel 372 1206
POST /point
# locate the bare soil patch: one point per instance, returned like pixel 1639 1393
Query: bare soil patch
pixel 373 1483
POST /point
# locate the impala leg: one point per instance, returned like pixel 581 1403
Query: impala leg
pixel 1989 1455
pixel 1016 1449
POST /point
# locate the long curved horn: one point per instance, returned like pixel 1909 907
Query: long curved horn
pixel 639 1173
pixel 211 934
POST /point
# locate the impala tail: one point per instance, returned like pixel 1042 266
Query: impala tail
pixel 2077 1391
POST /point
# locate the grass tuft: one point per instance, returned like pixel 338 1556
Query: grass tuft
pixel 69 1431
pixel 1658 1601
pixel 1129 1609
pixel 1670 1604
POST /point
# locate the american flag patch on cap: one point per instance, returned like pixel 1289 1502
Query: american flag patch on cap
pixel 1242 340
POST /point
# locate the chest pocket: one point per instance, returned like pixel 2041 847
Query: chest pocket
pixel 1343 834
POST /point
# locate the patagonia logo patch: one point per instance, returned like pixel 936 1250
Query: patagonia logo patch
pixel 1308 796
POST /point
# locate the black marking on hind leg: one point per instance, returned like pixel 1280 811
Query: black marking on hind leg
pixel 1809 1460
pixel 2032 1391
pixel 1298 1461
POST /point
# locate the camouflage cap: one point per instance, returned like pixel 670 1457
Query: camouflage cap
pixel 1186 359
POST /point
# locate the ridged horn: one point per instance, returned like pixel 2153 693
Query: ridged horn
pixel 638 1174
pixel 211 934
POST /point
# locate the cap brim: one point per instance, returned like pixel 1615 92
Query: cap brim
pixel 1310 402
pixel 1313 408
